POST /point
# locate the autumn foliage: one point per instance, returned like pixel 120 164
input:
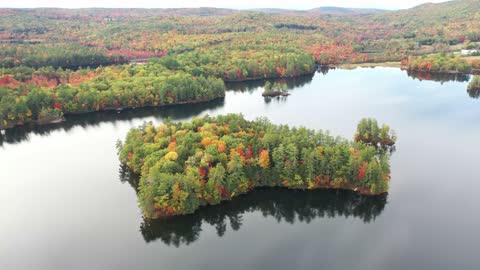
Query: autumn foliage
pixel 215 159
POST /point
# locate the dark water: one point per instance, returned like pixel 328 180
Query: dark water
pixel 65 202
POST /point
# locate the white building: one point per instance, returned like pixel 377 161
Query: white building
pixel 468 52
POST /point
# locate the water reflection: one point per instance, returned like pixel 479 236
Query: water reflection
pixel 438 77
pixel 178 112
pixel 250 86
pixel 278 99
pixel 324 70
pixel 281 204
pixel 473 93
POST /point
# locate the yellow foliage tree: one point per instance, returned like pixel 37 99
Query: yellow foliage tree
pixel 264 159
pixel 171 156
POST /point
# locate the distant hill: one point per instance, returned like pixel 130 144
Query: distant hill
pixel 426 13
pixel 124 12
pixel 322 10
pixel 342 10
pixel 277 10
pixel 445 14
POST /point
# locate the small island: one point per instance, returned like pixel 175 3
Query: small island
pixel 184 166
pixel 275 90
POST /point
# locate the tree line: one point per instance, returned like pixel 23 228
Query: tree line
pixel 448 63
pixel 239 63
pixel 43 95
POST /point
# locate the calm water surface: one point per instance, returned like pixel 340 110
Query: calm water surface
pixel 66 203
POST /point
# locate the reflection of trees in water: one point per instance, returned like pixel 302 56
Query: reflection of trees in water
pixel 281 204
pixel 127 176
pixel 438 77
pixel 473 93
pixel 250 86
pixel 176 112
pixel 324 70
pixel 278 99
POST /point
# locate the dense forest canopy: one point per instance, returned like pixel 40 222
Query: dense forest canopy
pixel 116 35
pixel 438 63
pixel 46 93
pixel 203 162
pixel 60 61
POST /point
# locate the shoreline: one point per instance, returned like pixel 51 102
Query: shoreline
pixel 276 94
pixel 271 77
pixel 451 72
pixel 58 120
pixel 393 64
pixel 358 190
pixel 119 109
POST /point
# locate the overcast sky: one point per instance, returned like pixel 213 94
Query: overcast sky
pixel 240 4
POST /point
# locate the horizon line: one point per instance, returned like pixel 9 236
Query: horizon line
pixel 212 7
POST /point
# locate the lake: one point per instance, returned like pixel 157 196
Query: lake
pixel 66 203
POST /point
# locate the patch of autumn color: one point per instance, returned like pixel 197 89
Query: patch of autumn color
pixel 318 180
pixel 78 78
pixel 223 192
pixel 326 180
pixel 9 81
pixel 336 53
pixel 171 156
pixel 221 146
pixel 249 153
pixel 281 71
pixel 172 147
pixel 202 172
pixel 240 151
pixel 474 63
pixel 57 105
pixel 234 152
pixel 361 171
pixel 43 81
pixel 206 141
pixel 264 159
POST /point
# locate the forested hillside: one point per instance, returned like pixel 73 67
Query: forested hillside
pixel 34 36
pixel 43 51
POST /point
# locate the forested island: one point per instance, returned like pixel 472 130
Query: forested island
pixel 274 90
pixel 184 166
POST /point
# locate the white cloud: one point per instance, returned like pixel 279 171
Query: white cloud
pixel 241 4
